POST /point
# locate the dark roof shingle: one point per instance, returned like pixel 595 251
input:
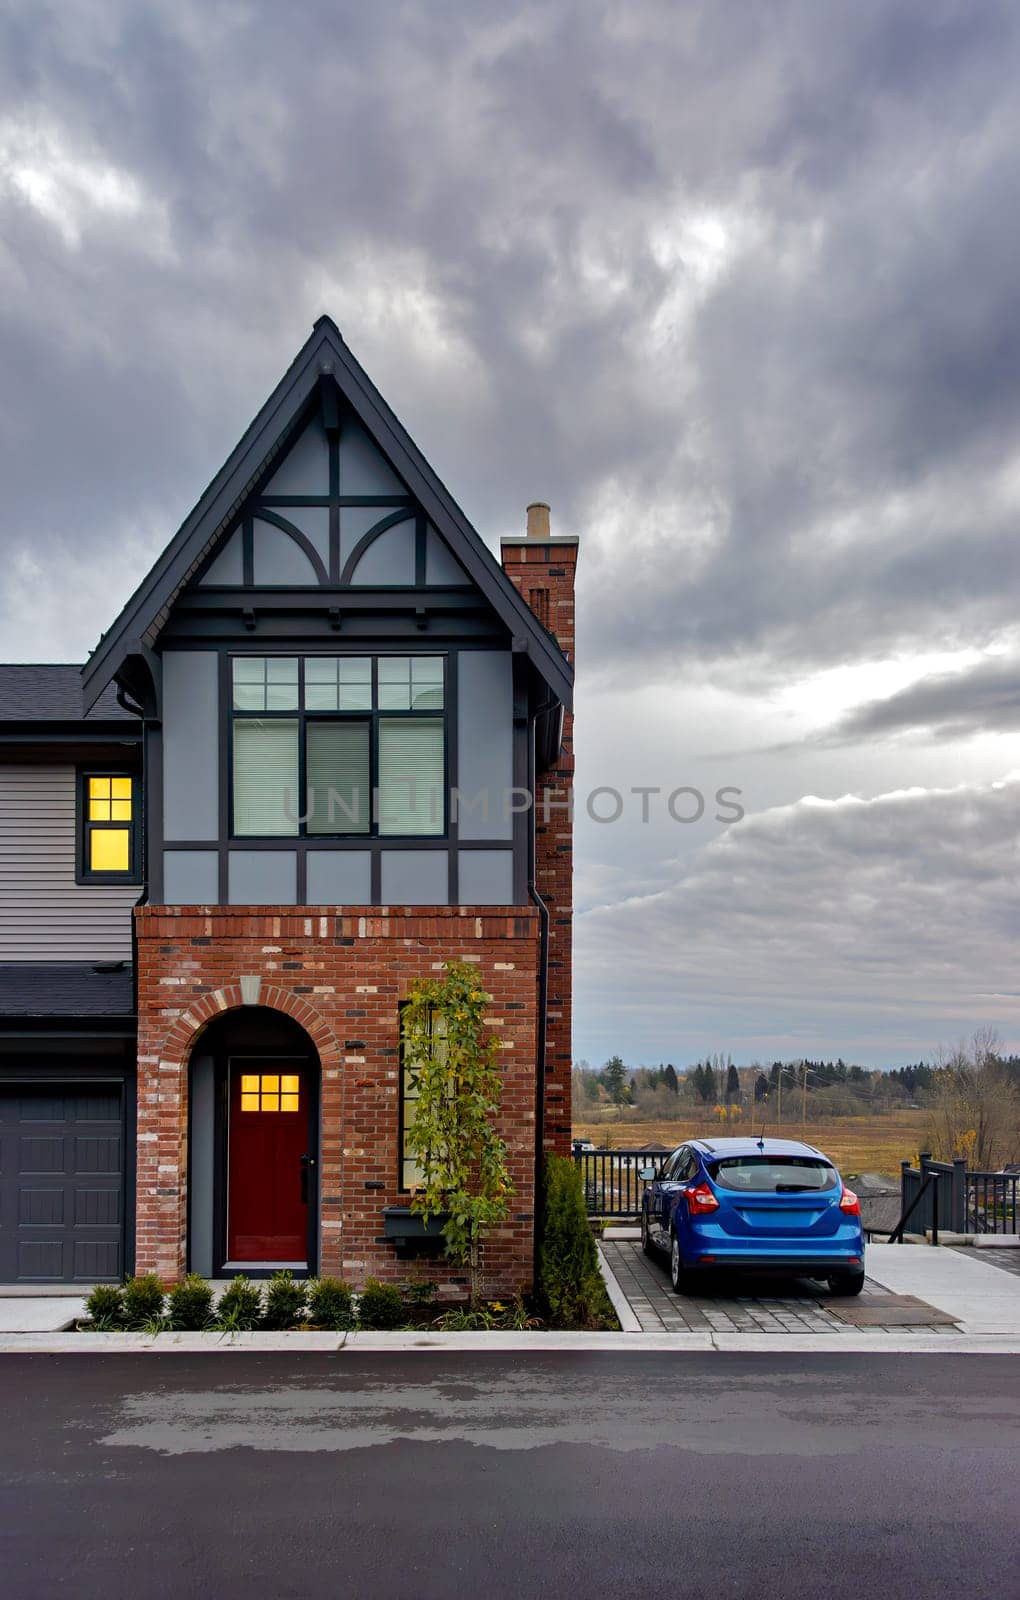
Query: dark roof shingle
pixel 51 692
pixel 66 989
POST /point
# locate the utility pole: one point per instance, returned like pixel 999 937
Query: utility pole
pixel 803 1103
pixel 780 1094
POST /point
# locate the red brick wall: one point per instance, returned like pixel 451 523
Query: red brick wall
pixel 544 572
pixel 341 975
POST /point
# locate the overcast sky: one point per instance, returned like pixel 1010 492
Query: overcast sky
pixel 734 286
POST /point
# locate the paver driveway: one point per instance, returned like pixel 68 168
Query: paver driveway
pixel 732 1304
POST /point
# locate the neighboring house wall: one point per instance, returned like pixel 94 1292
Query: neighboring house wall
pixel 44 914
pixel 342 978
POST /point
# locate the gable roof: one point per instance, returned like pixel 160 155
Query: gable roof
pixel 324 352
pixel 46 691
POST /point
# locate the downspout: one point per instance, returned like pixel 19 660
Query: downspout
pixel 135 710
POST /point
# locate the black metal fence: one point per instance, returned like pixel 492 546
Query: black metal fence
pixel 612 1183
pixel 944 1195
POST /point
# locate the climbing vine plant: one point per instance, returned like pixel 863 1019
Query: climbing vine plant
pixel 450 1055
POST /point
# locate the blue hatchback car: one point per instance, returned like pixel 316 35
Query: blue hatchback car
pixel 754 1204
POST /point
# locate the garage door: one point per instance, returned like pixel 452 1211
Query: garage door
pixel 61 1183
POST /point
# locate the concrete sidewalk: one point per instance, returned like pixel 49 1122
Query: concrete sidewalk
pixel 39 1313
pixel 980 1297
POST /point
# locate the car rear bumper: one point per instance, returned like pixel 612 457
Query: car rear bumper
pixel 808 1266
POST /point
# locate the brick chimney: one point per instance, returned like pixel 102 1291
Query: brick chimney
pixel 542 567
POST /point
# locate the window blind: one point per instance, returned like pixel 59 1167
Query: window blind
pixel 338 777
pixel 266 799
pixel 411 775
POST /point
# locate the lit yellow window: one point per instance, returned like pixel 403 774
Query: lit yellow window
pixel 269 1091
pixel 109 850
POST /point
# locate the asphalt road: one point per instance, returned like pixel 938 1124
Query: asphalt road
pixel 437 1475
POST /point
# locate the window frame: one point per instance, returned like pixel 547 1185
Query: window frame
pixel 372 717
pixel 84 826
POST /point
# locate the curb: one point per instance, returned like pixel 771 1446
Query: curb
pixel 621 1305
pixel 852 1342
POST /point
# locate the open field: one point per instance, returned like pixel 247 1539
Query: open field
pixel 856 1144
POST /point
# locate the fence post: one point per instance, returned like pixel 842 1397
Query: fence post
pixel 958 1221
pixel 935 1176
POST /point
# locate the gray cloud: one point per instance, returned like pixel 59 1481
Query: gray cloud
pixel 733 287
pixel 867 928
pixel 945 705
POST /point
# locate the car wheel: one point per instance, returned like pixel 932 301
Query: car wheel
pixel 676 1265
pixel 846 1283
pixel 646 1238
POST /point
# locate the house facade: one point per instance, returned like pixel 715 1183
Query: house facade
pixel 325 748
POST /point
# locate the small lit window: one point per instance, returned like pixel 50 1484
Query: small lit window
pixel 270 1091
pixel 108 827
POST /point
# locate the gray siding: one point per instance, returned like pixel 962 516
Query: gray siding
pixel 339 878
pixel 190 745
pixel 415 878
pixel 191 877
pixel 486 877
pixel 262 877
pixel 44 914
pixel 485 744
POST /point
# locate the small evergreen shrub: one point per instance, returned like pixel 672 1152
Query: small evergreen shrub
pixel 571 1290
pixel 380 1306
pixel 143 1301
pixel 330 1304
pixel 421 1291
pixel 240 1308
pixel 105 1306
pixel 190 1304
pixel 285 1301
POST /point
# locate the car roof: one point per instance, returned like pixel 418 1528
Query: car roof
pixel 752 1147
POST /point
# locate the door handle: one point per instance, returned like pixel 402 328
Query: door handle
pixel 307 1165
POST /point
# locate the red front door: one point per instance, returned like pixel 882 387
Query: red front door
pixel 267 1197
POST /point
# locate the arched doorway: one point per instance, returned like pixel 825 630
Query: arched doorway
pixel 254 1082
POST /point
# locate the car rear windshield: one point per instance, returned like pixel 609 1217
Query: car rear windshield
pixel 772 1174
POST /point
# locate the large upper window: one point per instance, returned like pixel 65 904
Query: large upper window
pixel 316 739
pixel 107 828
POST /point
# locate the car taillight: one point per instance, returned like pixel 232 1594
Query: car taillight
pixel 849 1203
pixel 701 1198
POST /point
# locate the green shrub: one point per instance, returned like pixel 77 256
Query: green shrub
pixel 421 1291
pixel 143 1300
pixel 285 1301
pixel 330 1305
pixel 190 1304
pixel 240 1308
pixel 105 1306
pixel 380 1305
pixel 571 1290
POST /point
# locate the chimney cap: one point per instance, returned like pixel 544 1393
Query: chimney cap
pixel 538 520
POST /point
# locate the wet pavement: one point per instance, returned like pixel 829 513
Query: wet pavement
pixel 436 1476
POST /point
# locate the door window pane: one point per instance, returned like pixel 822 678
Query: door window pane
pixel 265 777
pixel 411 799
pixel 337 777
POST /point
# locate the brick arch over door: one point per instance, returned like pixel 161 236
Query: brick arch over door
pixel 186 1032
pixel 163 1065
